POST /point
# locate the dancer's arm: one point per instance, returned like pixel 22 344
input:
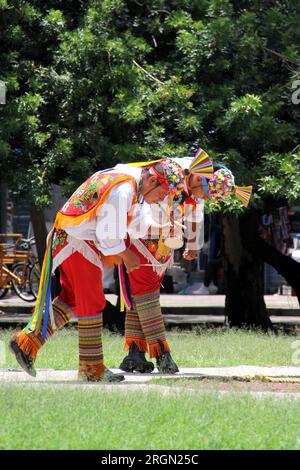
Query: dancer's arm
pixel 112 225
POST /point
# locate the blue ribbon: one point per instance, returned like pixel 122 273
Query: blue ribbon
pixel 205 185
pixel 48 294
pixel 47 305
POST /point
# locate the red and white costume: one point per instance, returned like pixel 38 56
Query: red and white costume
pixel 144 322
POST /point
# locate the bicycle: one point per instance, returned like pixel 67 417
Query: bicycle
pixel 19 267
pixel 28 271
pixel 7 257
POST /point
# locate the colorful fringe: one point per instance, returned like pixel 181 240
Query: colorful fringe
pixel 155 349
pixel 30 343
pixel 145 325
pixel 43 308
pixel 91 365
pixel 243 193
pixel 202 164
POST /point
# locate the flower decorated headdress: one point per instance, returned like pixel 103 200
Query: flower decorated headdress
pixel 201 165
pixel 169 175
pixel 222 184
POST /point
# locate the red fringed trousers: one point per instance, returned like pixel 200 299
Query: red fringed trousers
pixel 81 297
pixel 144 323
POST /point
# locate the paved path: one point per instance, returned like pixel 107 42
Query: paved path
pixel 142 382
pixel 12 375
pixel 177 309
pixel 280 302
pixel 186 319
pixel 172 320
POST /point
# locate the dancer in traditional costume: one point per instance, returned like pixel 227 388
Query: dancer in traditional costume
pixel 144 325
pixel 90 232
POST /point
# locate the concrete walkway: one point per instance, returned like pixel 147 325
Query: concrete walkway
pixel 177 309
pixel 273 302
pixel 142 382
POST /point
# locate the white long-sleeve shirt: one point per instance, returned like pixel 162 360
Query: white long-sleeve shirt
pixel 110 228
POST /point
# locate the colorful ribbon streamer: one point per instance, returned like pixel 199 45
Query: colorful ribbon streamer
pixel 202 164
pixel 43 303
pixel 124 297
pixel 243 193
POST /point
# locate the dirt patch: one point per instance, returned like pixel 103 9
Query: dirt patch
pixel 253 386
pixel 231 384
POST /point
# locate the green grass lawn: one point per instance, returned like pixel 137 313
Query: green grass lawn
pixel 53 418
pixel 190 349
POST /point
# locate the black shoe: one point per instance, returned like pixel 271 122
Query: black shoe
pixel 136 361
pixel 22 358
pixel 109 377
pixel 165 363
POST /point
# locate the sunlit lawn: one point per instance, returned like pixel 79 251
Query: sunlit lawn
pixel 55 417
pixel 198 348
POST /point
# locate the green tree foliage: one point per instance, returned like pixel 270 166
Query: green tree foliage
pixel 96 82
pixel 29 145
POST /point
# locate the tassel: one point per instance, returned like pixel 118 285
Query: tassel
pixel 202 164
pixel 47 305
pixel 122 302
pixel 243 193
pixel 141 344
pixel 124 297
pixel 43 302
pixel 29 344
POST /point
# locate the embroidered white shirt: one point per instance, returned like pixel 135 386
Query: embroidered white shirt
pixel 110 229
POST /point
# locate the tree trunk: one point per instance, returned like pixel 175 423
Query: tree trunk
pixel 244 305
pixel 39 230
pixel 284 265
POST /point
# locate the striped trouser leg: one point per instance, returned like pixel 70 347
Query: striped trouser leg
pixel 134 332
pixel 91 365
pixel 151 320
pixel 30 343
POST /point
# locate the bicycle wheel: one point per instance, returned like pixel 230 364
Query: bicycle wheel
pixel 23 290
pixel 34 279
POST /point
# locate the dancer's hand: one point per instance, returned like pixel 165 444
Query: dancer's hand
pixel 189 255
pixel 131 260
